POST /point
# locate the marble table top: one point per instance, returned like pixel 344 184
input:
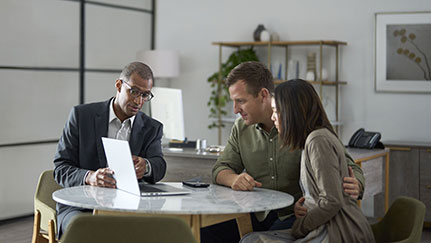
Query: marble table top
pixel 212 200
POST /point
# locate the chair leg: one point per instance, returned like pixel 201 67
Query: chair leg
pixel 36 227
pixel 51 232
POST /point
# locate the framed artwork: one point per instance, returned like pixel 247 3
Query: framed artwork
pixel 403 52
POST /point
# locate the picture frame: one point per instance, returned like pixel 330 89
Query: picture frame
pixel 403 52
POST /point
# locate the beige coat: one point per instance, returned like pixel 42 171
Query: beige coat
pixel 325 168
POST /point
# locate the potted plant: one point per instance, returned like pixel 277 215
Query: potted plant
pixel 220 93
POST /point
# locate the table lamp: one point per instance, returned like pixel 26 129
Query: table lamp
pixel 163 63
pixel 167 107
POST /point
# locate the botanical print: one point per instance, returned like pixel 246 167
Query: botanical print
pixel 408 52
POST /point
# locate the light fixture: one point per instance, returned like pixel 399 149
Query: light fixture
pixel 163 63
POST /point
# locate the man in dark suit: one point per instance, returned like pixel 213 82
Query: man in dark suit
pixel 80 157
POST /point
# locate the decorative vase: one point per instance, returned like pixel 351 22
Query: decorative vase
pixel 325 74
pixel 275 36
pixel 256 34
pixel 310 76
pixel 265 36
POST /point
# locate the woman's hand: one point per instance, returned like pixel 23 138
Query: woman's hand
pixel 300 210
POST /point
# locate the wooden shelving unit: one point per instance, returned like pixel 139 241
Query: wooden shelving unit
pixel 287 44
pixel 279 43
pixel 278 81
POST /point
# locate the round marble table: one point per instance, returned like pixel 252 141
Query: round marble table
pixel 201 208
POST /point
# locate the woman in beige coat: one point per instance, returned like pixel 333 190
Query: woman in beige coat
pixel 331 215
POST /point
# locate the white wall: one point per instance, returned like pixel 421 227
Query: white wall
pixel 191 26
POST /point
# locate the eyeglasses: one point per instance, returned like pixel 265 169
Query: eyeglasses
pixel 147 96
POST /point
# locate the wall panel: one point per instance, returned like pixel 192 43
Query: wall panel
pixel 19 173
pixel 100 86
pixel 35 104
pixel 113 36
pixel 39 33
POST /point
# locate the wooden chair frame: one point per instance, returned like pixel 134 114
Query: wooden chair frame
pixel 43 237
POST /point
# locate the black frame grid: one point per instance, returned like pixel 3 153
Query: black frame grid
pixel 81 69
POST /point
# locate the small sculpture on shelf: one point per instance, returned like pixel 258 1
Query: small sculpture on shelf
pixel 275 36
pixel 311 67
pixel 325 75
pixel 265 36
pixel 258 31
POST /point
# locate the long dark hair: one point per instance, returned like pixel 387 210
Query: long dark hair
pixel 299 112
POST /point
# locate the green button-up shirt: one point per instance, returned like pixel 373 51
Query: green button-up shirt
pixel 257 152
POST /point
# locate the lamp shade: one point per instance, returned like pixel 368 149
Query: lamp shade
pixel 163 63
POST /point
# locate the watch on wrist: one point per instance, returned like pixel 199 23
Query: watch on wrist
pixel 147 166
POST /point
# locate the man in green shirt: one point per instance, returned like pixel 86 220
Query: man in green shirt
pixel 253 157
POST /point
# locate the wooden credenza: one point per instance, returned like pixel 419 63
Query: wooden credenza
pixel 185 164
pixel 410 172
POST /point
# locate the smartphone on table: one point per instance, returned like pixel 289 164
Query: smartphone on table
pixel 195 184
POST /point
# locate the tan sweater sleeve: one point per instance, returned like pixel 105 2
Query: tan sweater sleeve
pixel 323 170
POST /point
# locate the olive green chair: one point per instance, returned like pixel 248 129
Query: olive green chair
pixel 108 228
pixel 403 222
pixel 45 215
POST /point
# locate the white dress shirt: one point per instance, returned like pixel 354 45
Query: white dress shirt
pixel 116 128
pixel 121 130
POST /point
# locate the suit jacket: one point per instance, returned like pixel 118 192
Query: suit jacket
pixel 80 147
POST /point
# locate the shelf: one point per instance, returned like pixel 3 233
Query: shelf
pixel 328 82
pixel 288 45
pixel 280 43
pixel 278 81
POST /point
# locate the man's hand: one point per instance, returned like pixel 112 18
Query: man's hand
pixel 244 182
pixel 351 185
pixel 140 165
pixel 299 209
pixel 101 177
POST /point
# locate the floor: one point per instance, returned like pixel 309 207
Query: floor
pixel 20 230
pixel 17 230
